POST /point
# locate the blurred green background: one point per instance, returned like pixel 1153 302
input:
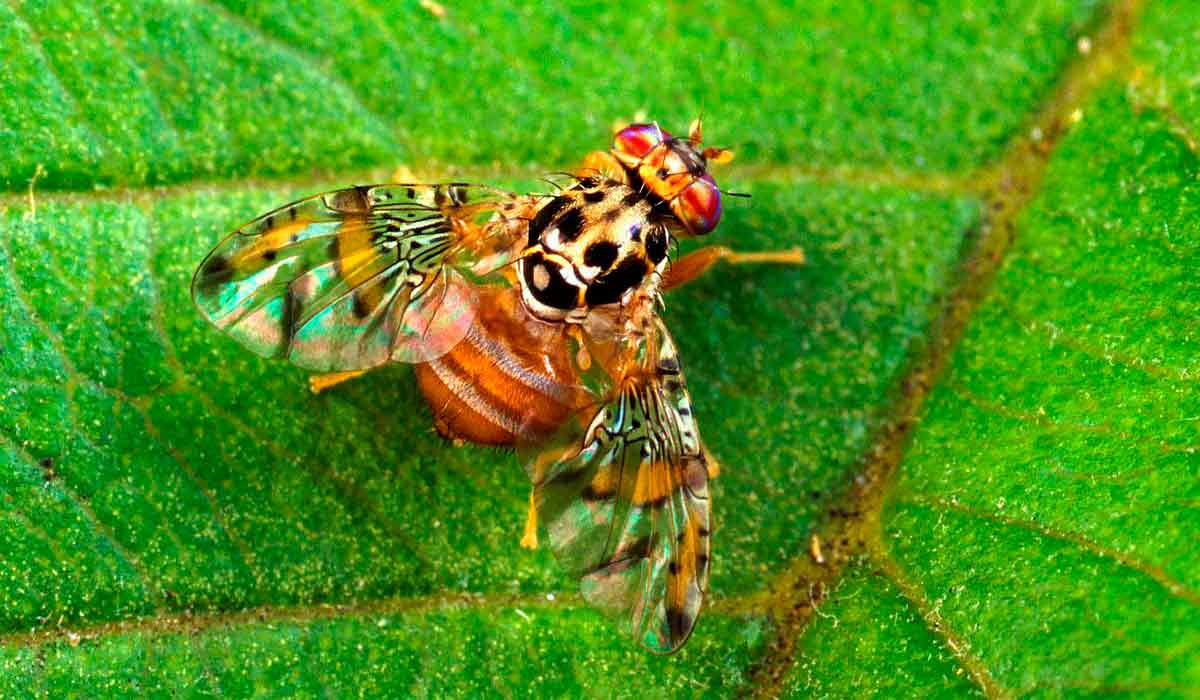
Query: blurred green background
pixel 980 394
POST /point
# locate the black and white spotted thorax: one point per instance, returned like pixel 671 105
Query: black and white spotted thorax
pixel 591 245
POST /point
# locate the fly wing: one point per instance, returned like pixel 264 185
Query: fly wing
pixel 353 278
pixel 625 501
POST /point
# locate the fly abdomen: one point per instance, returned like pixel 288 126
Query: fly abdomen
pixel 508 382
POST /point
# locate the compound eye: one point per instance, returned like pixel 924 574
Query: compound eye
pixel 698 207
pixel 632 143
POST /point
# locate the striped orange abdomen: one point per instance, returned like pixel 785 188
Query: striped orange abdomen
pixel 508 382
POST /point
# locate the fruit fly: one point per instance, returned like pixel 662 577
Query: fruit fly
pixel 532 322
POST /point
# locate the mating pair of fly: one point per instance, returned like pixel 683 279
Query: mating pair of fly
pixel 532 322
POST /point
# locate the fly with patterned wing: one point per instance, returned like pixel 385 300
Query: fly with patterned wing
pixel 532 322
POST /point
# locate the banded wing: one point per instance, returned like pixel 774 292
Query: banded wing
pixel 626 505
pixel 350 279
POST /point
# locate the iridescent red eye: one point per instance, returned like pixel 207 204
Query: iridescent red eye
pixel 633 142
pixel 698 207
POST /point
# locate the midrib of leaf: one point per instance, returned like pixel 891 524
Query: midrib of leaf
pixel 1009 185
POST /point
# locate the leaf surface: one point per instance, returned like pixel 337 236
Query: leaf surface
pixel 179 516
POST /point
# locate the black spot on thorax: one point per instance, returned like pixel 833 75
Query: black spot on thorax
pixel 631 198
pixel 611 286
pixel 570 225
pixel 557 292
pixel 544 216
pixel 601 254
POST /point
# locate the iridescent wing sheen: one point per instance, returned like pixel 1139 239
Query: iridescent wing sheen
pixel 353 278
pixel 625 504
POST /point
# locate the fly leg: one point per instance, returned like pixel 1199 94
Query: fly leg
pixel 320 382
pixel 696 263
pixel 530 539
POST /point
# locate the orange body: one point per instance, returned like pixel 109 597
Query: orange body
pixel 508 382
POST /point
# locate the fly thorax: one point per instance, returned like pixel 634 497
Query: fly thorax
pixel 590 246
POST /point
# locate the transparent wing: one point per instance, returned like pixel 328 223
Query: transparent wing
pixel 353 278
pixel 625 501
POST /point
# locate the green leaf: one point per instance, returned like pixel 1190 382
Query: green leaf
pixel 444 652
pixel 1044 519
pixel 1059 454
pixel 952 464
pixel 144 91
pixel 215 481
pixel 869 641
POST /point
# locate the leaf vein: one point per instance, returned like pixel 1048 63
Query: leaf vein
pixel 74 377
pixel 959 647
pixel 335 82
pixel 80 114
pixel 1046 329
pixel 100 528
pixel 1058 426
pixel 165 622
pixel 350 492
pixel 1154 572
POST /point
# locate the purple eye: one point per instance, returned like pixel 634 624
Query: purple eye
pixel 632 143
pixel 698 206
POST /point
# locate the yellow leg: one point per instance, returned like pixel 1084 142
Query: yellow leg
pixel 530 539
pixel 696 263
pixel 320 382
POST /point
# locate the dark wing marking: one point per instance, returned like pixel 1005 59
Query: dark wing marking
pixel 626 506
pixel 356 277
